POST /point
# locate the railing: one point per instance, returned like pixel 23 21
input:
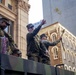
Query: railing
pixel 11 65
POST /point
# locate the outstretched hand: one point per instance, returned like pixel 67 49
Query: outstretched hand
pixel 43 22
pixel 62 34
pixel 60 38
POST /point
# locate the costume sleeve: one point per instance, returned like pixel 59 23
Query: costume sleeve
pixel 11 41
pixel 31 35
pixel 52 43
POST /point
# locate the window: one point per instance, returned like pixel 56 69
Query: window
pixel 55 52
pixel 68 57
pixel 10 6
pixel 70 44
pixel 74 46
pixel 67 43
pixel 72 58
pixel 53 35
pixel 64 55
pixel 2 1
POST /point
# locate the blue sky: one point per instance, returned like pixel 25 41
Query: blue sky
pixel 35 12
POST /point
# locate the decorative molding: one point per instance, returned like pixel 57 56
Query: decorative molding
pixel 10 14
pixel 23 5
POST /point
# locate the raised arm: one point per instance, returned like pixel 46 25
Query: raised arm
pixel 37 29
pixel 47 43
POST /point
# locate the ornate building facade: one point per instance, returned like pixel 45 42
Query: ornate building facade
pixel 65 51
pixel 17 13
